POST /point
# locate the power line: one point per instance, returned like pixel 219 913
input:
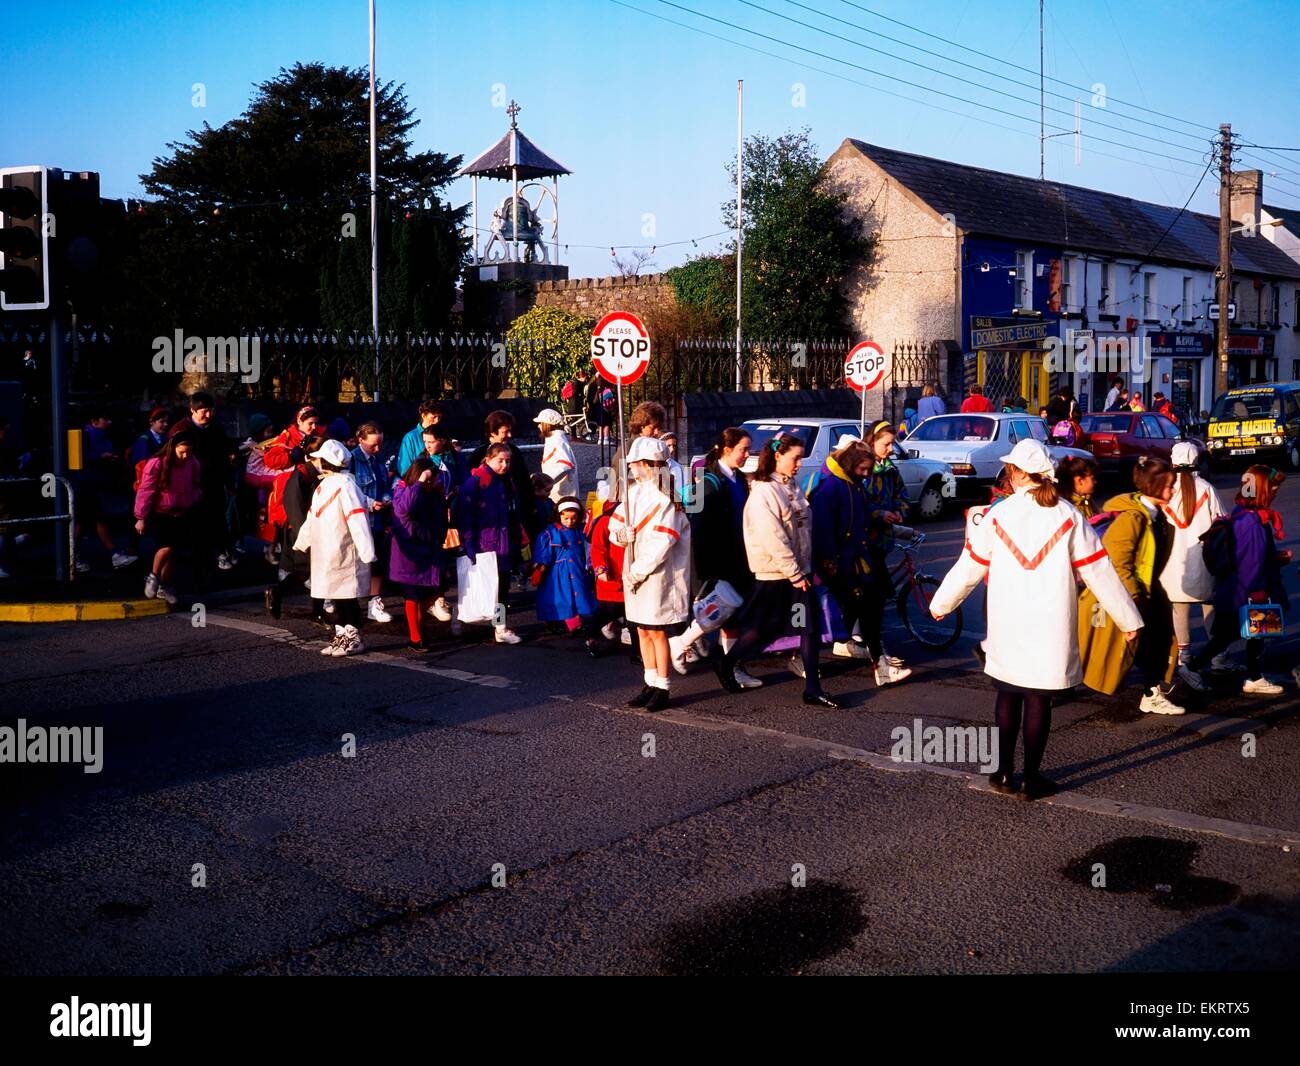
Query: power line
pixel 1151 251
pixel 904 81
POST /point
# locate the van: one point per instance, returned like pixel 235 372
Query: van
pixel 1257 423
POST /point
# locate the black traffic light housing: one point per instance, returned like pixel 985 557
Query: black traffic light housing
pixel 24 239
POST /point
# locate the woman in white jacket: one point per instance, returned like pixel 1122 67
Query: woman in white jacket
pixel 1031 546
pixel 778 542
pixel 1191 509
pixel 656 566
pixel 337 533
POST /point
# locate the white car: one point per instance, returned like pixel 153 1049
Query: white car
pixel 929 484
pixel 972 446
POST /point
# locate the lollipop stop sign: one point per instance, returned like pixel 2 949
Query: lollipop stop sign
pixel 864 370
pixel 620 347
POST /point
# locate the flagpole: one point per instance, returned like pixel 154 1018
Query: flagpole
pixel 374 203
pixel 740 165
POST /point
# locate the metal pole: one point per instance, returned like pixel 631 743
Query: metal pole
pixel 1225 260
pixel 630 551
pixel 474 222
pixel 862 420
pixel 514 211
pixel 1042 113
pixel 64 568
pixel 374 204
pixel 740 167
pixel 555 233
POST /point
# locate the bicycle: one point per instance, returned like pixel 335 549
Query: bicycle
pixel 913 596
pixel 578 427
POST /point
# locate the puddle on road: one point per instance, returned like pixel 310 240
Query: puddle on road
pixel 765 934
pixel 1154 865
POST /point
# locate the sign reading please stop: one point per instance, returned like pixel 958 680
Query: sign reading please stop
pixel 620 347
pixel 865 366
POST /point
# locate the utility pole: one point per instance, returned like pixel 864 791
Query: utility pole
pixel 374 204
pixel 1224 274
pixel 740 233
pixel 1042 106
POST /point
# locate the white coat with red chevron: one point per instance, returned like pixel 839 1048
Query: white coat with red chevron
pixel 559 464
pixel 337 533
pixel 1184 577
pixel 1031 555
pixel 657 568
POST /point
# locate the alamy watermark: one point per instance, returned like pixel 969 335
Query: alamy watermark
pixel 179 354
pixel 1129 356
pixel 53 744
pixel 946 744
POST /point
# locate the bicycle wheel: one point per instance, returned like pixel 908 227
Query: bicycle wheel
pixel 913 605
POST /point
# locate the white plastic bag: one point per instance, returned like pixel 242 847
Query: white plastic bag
pixel 477 582
pixel 717 605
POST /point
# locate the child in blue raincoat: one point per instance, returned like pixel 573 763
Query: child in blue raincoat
pixel 566 590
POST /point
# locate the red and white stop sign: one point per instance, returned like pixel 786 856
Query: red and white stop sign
pixel 865 366
pixel 620 347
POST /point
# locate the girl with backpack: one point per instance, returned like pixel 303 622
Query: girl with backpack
pixel 1191 510
pixel 164 502
pixel 887 494
pixel 1139 540
pixel 1031 546
pixel 337 533
pixel 778 544
pixel 1251 573
pixel 419 532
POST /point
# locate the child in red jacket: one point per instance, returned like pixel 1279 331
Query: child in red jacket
pixel 607 564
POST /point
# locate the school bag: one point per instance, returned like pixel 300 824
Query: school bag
pixel 1063 433
pixel 1219 547
pixel 1101 521
pixel 566 393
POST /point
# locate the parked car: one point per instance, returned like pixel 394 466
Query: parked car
pixel 972 446
pixel 1257 421
pixel 1118 438
pixel 925 479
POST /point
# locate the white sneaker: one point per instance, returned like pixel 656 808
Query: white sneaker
pixel 151 586
pixel 1223 663
pixel 796 666
pixel 350 642
pixel 83 567
pixel 850 649
pixel 332 646
pixel 225 562
pixel 440 610
pixel 887 673
pixel 121 559
pixel 677 654
pixel 3 573
pixel 1262 686
pixel 893 660
pixel 166 592
pixel 746 680
pixel 1296 674
pixel 375 612
pixel 609 631
pixel 329 605
pixel 1192 679
pixel 506 635
pixel 20 539
pixel 626 638
pixel 1159 703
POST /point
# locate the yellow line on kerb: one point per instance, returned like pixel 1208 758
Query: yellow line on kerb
pixel 95 611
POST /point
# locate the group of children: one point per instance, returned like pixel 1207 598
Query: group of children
pixel 1079 593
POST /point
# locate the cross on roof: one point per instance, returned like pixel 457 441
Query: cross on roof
pixel 512 111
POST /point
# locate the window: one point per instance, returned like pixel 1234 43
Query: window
pixel 1107 423
pixel 1038 428
pixel 1149 296
pixel 1169 429
pixel 1023 299
pixel 1108 299
pixel 1187 300
pixel 1018 431
pixel 1151 427
pixel 955 427
pixel 1274 304
pixel 1295 323
pixel 760 434
pixel 1067 279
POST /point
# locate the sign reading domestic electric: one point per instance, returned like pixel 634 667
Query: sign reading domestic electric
pixel 986 332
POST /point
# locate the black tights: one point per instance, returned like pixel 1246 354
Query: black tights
pixel 767 615
pixel 1037 708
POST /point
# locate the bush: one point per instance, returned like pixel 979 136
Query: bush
pixel 546 346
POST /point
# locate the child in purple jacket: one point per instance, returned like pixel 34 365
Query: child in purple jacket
pixel 483 518
pixel 419 531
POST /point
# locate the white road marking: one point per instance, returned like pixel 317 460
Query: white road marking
pixel 283 636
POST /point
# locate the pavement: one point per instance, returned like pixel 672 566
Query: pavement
pixel 487 809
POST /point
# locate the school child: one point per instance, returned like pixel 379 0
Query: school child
pixel 164 509
pixel 558 462
pixel 546 513
pixel 1139 540
pixel 336 532
pixel 566 591
pixel 1077 477
pixel 1191 510
pixel 1246 554
pixel 1031 546
pixel 416 557
pixel 607 569
pixel 489 525
pixel 657 538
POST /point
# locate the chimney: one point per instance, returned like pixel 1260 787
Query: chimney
pixel 1247 197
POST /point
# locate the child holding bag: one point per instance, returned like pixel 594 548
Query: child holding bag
pixel 565 591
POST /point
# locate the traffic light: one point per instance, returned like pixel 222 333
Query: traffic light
pixel 24 239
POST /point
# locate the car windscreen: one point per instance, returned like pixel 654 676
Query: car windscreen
pixel 761 433
pixel 955 428
pixel 1247 405
pixel 1106 423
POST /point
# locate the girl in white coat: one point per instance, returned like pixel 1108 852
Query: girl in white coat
pixel 558 462
pixel 337 533
pixel 1031 546
pixel 1192 508
pixel 656 567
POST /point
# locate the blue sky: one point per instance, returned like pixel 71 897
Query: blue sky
pixel 643 112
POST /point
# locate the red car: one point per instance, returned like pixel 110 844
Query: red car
pixel 1118 438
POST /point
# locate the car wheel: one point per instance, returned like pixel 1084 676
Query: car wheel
pixel 1293 454
pixel 930 503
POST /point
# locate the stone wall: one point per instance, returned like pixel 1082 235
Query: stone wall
pixel 594 297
